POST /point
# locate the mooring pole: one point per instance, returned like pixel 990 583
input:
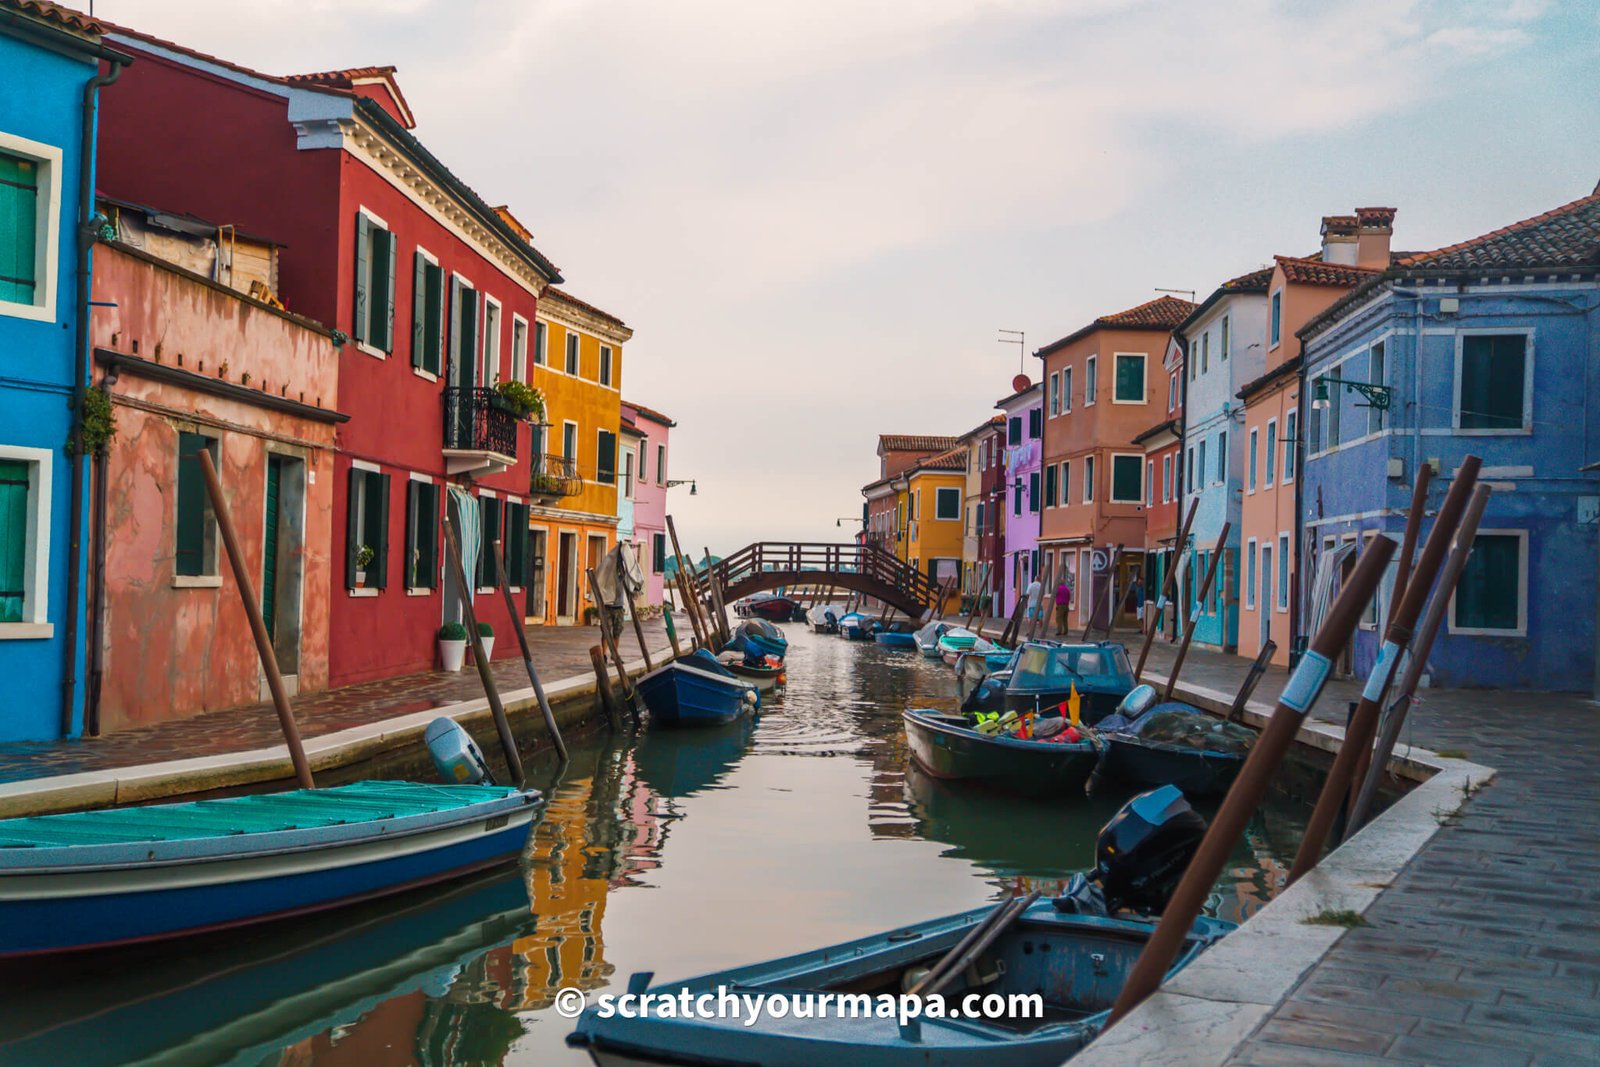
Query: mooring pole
pixel 504 583
pixel 258 625
pixel 716 598
pixel 1299 696
pixel 502 725
pixel 694 607
pixel 1358 737
pixel 1168 584
pixel 672 629
pixel 1194 614
pixel 609 641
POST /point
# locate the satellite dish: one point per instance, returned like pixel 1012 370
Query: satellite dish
pixel 1020 382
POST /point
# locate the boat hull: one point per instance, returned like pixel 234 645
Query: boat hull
pixel 678 695
pixel 767 645
pixel 763 678
pixel 894 640
pixel 1033 768
pixel 1197 773
pixel 774 610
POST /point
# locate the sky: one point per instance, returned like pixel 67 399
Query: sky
pixel 817 216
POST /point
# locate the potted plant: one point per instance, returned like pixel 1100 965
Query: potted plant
pixel 364 556
pixel 591 615
pixel 486 635
pixel 518 398
pixel 452 645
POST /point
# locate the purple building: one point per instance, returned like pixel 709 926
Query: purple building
pixel 1024 449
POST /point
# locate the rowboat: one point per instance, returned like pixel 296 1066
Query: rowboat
pixel 765 677
pixel 1073 953
pixel 771 608
pixel 896 639
pixel 1043 675
pixel 824 618
pixel 856 626
pixel 947 746
pixel 958 641
pixel 928 638
pixel 765 637
pixel 696 690
pixel 1151 743
pixel 101 878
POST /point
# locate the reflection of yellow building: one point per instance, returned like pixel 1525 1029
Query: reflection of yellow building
pixel 577 364
pixel 934 492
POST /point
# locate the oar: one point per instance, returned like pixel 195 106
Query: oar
pixel 972 946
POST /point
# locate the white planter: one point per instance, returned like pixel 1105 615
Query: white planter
pixel 452 653
pixel 488 648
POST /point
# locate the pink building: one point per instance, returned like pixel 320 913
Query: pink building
pixel 650 496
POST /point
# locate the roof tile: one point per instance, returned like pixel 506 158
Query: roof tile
pixel 65 17
pixel 1162 313
pixel 908 442
pixel 1567 236
pixel 1313 271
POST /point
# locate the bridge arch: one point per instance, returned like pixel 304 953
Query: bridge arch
pixel 865 569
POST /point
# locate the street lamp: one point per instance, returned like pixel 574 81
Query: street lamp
pixel 1376 395
pixel 841 520
pixel 694 490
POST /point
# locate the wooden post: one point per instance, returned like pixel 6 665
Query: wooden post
pixel 1395 717
pixel 1251 680
pixel 602 677
pixel 1363 723
pixel 502 725
pixel 638 630
pixel 610 643
pixel 693 607
pixel 1013 631
pixel 527 655
pixel 1299 696
pixel 1205 591
pixel 977 600
pixel 716 598
pixel 258 625
pixel 1168 584
pixel 672 630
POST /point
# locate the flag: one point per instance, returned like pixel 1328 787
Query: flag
pixel 1073 703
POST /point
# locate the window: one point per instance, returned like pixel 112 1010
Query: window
pixel 1055 395
pixel 427 314
pixel 1050 486
pixel 605 364
pixel 658 552
pixel 1127 474
pixel 1065 482
pixel 1035 423
pixel 519 560
pixel 569 441
pixel 1033 492
pixel 1066 390
pixel 1150 483
pixel 1205 351
pixel 1129 385
pixel 29 221
pixel 1014 430
pixel 1016 498
pixel 947 503
pixel 606 458
pixel 366 552
pixel 422 534
pixel 463 326
pixel 644 455
pixel 491 341
pixel 1189 481
pixel 661 464
pixel 1283 572
pixel 977 519
pixel 1089 384
pixel 541 344
pixel 1088 479
pixel 373 320
pixel 1222 458
pixel 1491 384
pixel 1172 392
pixel 490 515
pixel 572 353
pixel 25 506
pixel 627 473
pixel 1202 472
pixel 1492 595
pixel 1289 444
pixel 1166 479
pixel 1272 451
pixel 1227 339
pixel 519 348
pixel 1251 461
pixel 1276 319
pixel 1331 416
pixel 195 554
pixel 1375 374
pixel 1250 575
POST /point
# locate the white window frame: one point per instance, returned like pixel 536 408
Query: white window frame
pixel 489 342
pixel 47 235
pixel 541 344
pixel 1250 461
pixel 1166 478
pixel 1150 482
pixel 938 494
pixel 1522 592
pixel 573 455
pixel 1224 339
pixel 661 464
pixel 1066 390
pixel 365 590
pixel 608 367
pixel 35 623
pixel 1111 481
pixel 1055 393
pixel 1289 467
pixel 1091 394
pixel 444 317
pixel 519 351
pixel 1281 593
pixel 373 217
pixel 572 353
pixel 421 590
pixel 1275 298
pixel 1528 333
pixel 1252 570
pixel 1172 393
pixel 1088 479
pixel 1144 376
pixel 1273 467
pixel 1064 483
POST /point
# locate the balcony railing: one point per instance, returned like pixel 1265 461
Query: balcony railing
pixel 555 477
pixel 474 421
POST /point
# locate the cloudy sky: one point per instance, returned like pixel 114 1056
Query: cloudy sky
pixel 816 215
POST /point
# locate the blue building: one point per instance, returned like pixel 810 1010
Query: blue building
pixel 1225 346
pixel 50 57
pixel 1490 347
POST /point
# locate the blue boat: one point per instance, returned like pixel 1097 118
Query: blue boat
pixel 1152 743
pixel 1043 675
pixel 896 639
pixel 767 638
pixel 696 690
pixel 856 626
pixel 948 746
pixel 101 878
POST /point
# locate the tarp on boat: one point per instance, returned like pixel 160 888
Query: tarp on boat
pixel 1181 726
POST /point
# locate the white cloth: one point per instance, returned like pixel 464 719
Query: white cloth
pixel 1035 590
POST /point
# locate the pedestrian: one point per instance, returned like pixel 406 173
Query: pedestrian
pixel 1136 595
pixel 1035 594
pixel 1063 606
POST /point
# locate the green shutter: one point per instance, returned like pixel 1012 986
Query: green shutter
pixel 19 222
pixel 14 477
pixel 386 319
pixel 193 513
pixel 378 528
pixel 419 311
pixel 1130 378
pixel 430 541
pixel 489 513
pixel 467 341
pixel 358 324
pixel 433 318
pixel 1492 382
pixel 352 525
pixel 1486 598
pixel 1125 478
pixel 1049 490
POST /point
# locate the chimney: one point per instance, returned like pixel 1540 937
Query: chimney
pixel 1339 239
pixel 1374 228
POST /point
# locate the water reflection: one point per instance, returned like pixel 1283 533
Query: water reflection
pixel 683 852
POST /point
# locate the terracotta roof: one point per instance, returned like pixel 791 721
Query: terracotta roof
pixel 567 298
pixel 64 17
pixel 629 426
pixel 1255 281
pixel 988 424
pixel 650 413
pixel 953 460
pixel 347 79
pixel 1162 313
pixel 1567 236
pixel 1170 425
pixel 909 442
pixel 1313 271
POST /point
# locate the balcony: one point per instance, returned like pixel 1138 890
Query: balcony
pixel 554 477
pixel 480 437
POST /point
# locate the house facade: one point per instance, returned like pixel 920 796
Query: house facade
pixel 1354 248
pixel 436 291
pixel 650 496
pixel 1223 339
pixel 1103 387
pixel 49 56
pixel 1018 488
pixel 980 570
pixel 934 488
pixel 886 499
pixel 1488 348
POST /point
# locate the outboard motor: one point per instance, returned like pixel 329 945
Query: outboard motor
pixel 988 695
pixel 455 754
pixel 1140 699
pixel 1140 856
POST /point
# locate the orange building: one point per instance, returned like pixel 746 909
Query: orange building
pixel 1104 386
pixel 934 488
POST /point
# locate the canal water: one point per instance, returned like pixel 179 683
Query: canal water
pixel 681 852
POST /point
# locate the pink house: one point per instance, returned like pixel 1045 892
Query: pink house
pixel 650 496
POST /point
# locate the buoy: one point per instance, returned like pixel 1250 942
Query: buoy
pixel 455 754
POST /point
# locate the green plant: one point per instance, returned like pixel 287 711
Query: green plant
pixel 522 399
pixel 485 630
pixel 99 423
pixel 364 556
pixel 452 631
pixel 591 615
pixel 1450 753
pixel 1341 917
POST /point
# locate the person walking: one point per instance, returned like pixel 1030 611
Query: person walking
pixel 1035 594
pixel 1063 606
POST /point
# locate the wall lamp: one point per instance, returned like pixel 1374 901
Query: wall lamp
pixel 1376 395
pixel 694 490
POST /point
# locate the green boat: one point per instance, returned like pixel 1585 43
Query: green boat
pixel 947 746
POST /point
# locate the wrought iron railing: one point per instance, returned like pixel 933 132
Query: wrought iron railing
pixel 854 565
pixel 555 476
pixel 475 421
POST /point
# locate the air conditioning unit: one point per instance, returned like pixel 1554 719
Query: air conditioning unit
pixel 1397 468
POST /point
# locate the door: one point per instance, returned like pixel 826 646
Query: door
pixel 283 558
pixel 538 545
pixel 269 546
pixel 1264 597
pixel 566 577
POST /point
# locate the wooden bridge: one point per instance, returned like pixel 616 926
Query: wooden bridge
pixel 863 569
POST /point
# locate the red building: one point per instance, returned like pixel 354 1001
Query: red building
pixel 1163 482
pixel 991 531
pixel 435 290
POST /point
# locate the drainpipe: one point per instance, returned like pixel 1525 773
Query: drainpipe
pixel 1180 591
pixel 96 650
pixel 1299 519
pixel 80 384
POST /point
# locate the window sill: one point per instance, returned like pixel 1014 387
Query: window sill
pixel 1472 631
pixel 409 592
pixel 376 353
pixel 197 581
pixel 38 313
pixel 1520 432
pixel 425 374
pixel 27 631
pixel 363 592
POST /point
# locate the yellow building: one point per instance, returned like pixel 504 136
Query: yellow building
pixel 934 490
pixel 578 366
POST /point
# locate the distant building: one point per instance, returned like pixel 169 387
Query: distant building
pixel 1018 489
pixel 1488 347
pixel 650 496
pixel 982 570
pixel 933 493
pixel 1163 453
pixel 885 510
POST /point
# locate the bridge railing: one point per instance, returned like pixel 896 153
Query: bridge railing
pixel 823 559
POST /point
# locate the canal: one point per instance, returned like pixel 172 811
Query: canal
pixel 680 852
